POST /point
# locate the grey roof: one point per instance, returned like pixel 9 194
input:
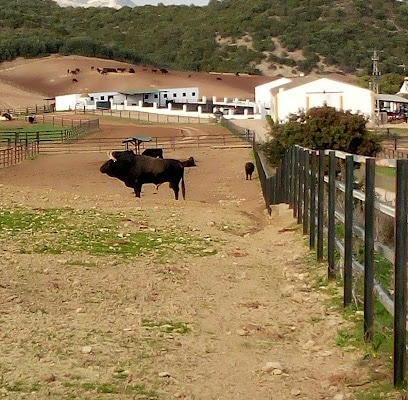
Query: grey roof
pixel 146 91
pixel 391 98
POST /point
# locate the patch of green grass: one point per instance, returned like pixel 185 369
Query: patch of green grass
pixel 55 231
pixel 386 171
pixel 136 390
pixel 168 326
pixel 22 387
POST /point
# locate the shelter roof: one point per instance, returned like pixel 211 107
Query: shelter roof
pixel 391 98
pixel 134 92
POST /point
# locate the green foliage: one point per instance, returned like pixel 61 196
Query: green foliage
pixel 322 128
pixel 200 38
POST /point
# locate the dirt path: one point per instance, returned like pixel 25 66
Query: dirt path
pixel 237 318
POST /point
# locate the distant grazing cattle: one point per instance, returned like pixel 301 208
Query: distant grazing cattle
pixel 249 170
pixel 74 80
pixel 31 119
pixel 154 70
pixel 6 117
pixel 105 70
pixel 135 170
pixel 219 79
pixel 131 70
pixel 189 162
pixel 163 70
pixel 156 153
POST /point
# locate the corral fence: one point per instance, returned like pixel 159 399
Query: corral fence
pixel 37 109
pixel 16 146
pixel 18 153
pixel 151 116
pixel 74 139
pixel 362 237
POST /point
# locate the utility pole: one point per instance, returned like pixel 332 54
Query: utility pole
pixel 376 78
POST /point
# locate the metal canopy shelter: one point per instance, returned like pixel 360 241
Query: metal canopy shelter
pixel 136 141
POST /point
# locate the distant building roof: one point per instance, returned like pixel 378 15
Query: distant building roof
pixel 391 98
pixel 134 92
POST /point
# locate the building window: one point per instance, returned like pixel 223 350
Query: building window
pixel 146 96
pixel 92 98
pixel 156 96
pixel 193 94
pixel 102 97
pixel 165 95
pixel 174 94
pixel 184 94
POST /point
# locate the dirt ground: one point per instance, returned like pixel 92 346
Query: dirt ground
pixel 245 320
pixel 72 324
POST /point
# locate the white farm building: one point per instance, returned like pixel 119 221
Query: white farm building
pixel 287 96
pixel 126 99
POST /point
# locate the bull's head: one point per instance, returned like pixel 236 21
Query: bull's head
pixel 118 163
pixel 111 157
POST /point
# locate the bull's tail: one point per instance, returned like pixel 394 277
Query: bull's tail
pixel 183 187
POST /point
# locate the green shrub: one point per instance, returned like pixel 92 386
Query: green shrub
pixel 322 128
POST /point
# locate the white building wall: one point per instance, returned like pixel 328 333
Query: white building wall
pixel 66 102
pixel 339 95
pixel 404 86
pixel 179 95
pixel 263 92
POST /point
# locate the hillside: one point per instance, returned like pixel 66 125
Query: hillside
pixel 25 83
pixel 264 36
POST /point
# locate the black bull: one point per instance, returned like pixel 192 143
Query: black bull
pixel 135 170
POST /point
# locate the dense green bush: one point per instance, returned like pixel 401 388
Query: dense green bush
pixel 322 128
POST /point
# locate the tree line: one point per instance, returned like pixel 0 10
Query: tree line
pixel 227 35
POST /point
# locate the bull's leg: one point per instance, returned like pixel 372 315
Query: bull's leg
pixel 138 190
pixel 174 186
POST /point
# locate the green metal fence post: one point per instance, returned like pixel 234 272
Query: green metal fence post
pixel 331 217
pixel 312 232
pixel 369 250
pixel 300 186
pixel 306 189
pixel 348 231
pixel 400 275
pixel 320 206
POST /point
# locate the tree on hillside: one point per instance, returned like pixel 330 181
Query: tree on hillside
pixel 322 128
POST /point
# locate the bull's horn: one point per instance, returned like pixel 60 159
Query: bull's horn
pixel 110 156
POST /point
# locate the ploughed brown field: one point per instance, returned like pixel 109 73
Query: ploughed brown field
pixel 24 83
